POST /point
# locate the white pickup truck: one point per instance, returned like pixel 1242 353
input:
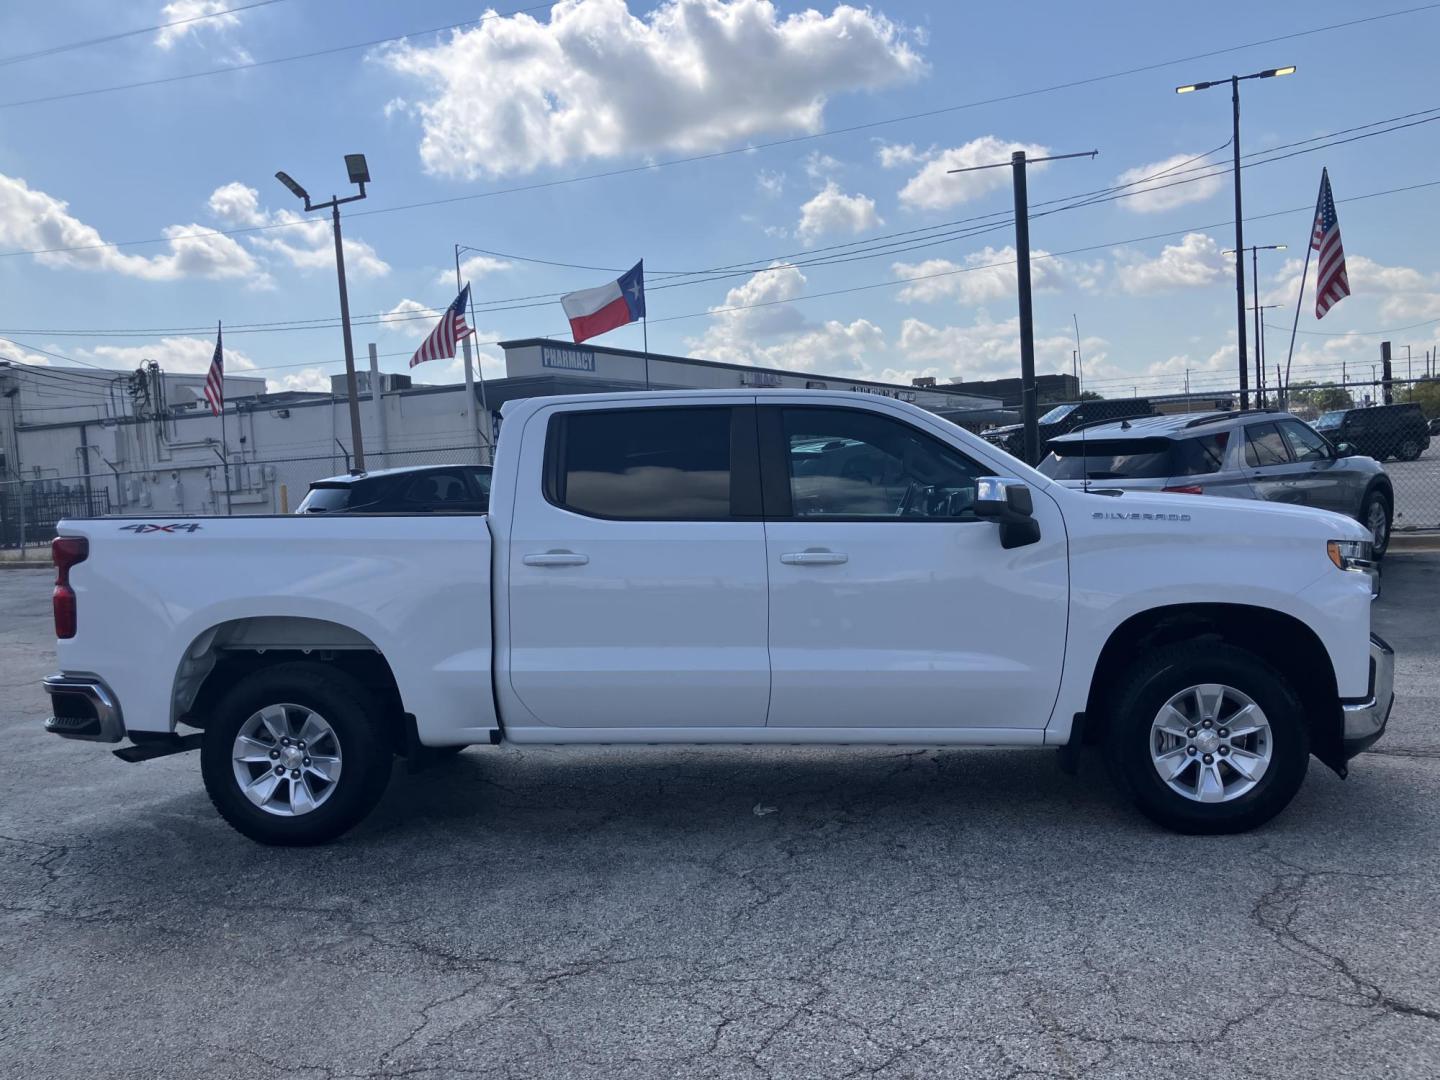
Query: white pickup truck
pixel 724 567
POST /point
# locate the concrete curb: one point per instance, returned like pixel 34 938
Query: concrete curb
pixel 1414 542
pixel 29 564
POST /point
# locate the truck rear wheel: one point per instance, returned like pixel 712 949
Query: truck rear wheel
pixel 1207 738
pixel 294 754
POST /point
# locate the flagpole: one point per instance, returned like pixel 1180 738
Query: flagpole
pixel 645 335
pixel 224 439
pixel 1305 273
pixel 470 418
pixel 480 374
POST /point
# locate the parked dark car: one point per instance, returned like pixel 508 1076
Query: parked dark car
pixel 1068 417
pixel 418 489
pixel 1380 431
pixel 1260 454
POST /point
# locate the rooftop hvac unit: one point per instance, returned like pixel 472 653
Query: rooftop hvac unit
pixel 389 383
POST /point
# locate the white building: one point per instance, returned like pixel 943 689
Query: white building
pixel 88 441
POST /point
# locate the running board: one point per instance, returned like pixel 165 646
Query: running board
pixel 160 747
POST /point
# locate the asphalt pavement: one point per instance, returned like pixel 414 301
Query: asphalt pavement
pixel 766 913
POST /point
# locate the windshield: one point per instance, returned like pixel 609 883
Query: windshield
pixel 1330 419
pixel 1055 415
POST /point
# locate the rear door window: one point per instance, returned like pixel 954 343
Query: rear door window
pixel 437 491
pixel 1265 446
pixel 652 464
pixel 1198 457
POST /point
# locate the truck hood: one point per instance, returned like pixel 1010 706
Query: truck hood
pixel 1212 512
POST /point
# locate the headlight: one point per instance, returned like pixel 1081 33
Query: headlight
pixel 1351 554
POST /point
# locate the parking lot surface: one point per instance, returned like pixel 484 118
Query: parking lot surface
pixel 765 913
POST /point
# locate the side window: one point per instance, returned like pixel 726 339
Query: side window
pixel 1304 443
pixel 1197 457
pixel 641 464
pixel 1265 446
pixel 436 490
pixel 849 463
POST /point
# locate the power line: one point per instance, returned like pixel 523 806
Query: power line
pixel 70 46
pixel 691 159
pixel 1359 333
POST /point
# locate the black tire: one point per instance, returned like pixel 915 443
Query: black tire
pixel 1383 544
pixel 1409 450
pixel 1165 672
pixel 350 712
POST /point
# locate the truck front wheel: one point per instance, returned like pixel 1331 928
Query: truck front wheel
pixel 1207 738
pixel 294 754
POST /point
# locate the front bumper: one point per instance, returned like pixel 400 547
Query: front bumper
pixel 1365 719
pixel 84 708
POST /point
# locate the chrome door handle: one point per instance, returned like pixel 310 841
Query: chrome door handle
pixel 556 558
pixel 814 558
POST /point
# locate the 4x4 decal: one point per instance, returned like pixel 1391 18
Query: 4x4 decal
pixel 174 526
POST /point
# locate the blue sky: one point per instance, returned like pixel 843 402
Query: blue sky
pixel 521 101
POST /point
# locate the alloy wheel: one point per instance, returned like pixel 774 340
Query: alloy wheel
pixel 1210 743
pixel 287 759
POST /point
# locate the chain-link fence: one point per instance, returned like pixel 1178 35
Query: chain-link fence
pixel 31 508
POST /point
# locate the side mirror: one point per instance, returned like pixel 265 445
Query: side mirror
pixel 1010 504
pixel 1344 449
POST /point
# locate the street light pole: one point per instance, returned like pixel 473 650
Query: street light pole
pixel 359 173
pixel 1255 250
pixel 1028 408
pixel 1235 81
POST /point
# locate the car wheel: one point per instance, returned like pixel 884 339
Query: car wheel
pixel 1409 450
pixel 294 754
pixel 1207 738
pixel 1375 516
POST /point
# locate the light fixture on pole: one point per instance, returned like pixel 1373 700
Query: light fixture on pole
pixel 1028 409
pixel 1235 81
pixel 359 174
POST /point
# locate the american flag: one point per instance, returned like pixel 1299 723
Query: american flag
pixel 215 381
pixel 1332 284
pixel 448 331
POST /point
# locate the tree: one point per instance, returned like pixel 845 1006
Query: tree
pixel 1426 393
pixel 1090 395
pixel 1308 394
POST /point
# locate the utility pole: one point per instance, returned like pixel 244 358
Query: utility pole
pixel 1028 410
pixel 359 173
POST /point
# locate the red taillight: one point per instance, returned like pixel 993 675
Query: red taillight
pixel 1185 489
pixel 65 552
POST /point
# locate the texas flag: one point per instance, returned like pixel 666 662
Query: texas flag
pixel 594 311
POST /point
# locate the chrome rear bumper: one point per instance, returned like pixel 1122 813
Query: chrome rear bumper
pixel 1365 719
pixel 84 708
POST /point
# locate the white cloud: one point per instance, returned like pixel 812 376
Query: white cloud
pixel 987 349
pixel 1161 188
pixel 515 94
pixel 476 266
pixel 193 10
pixel 770 183
pixel 188 355
pixel 988 274
pixel 820 166
pixel 832 211
pixel 313 379
pixel 935 188
pixel 306 243
pixel 1192 263
pixel 894 155
pixel 1406 294
pixel 409 319
pixel 31 219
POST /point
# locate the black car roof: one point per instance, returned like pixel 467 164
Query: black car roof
pixel 381 474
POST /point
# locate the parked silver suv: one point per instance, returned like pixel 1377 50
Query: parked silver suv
pixel 1250 455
